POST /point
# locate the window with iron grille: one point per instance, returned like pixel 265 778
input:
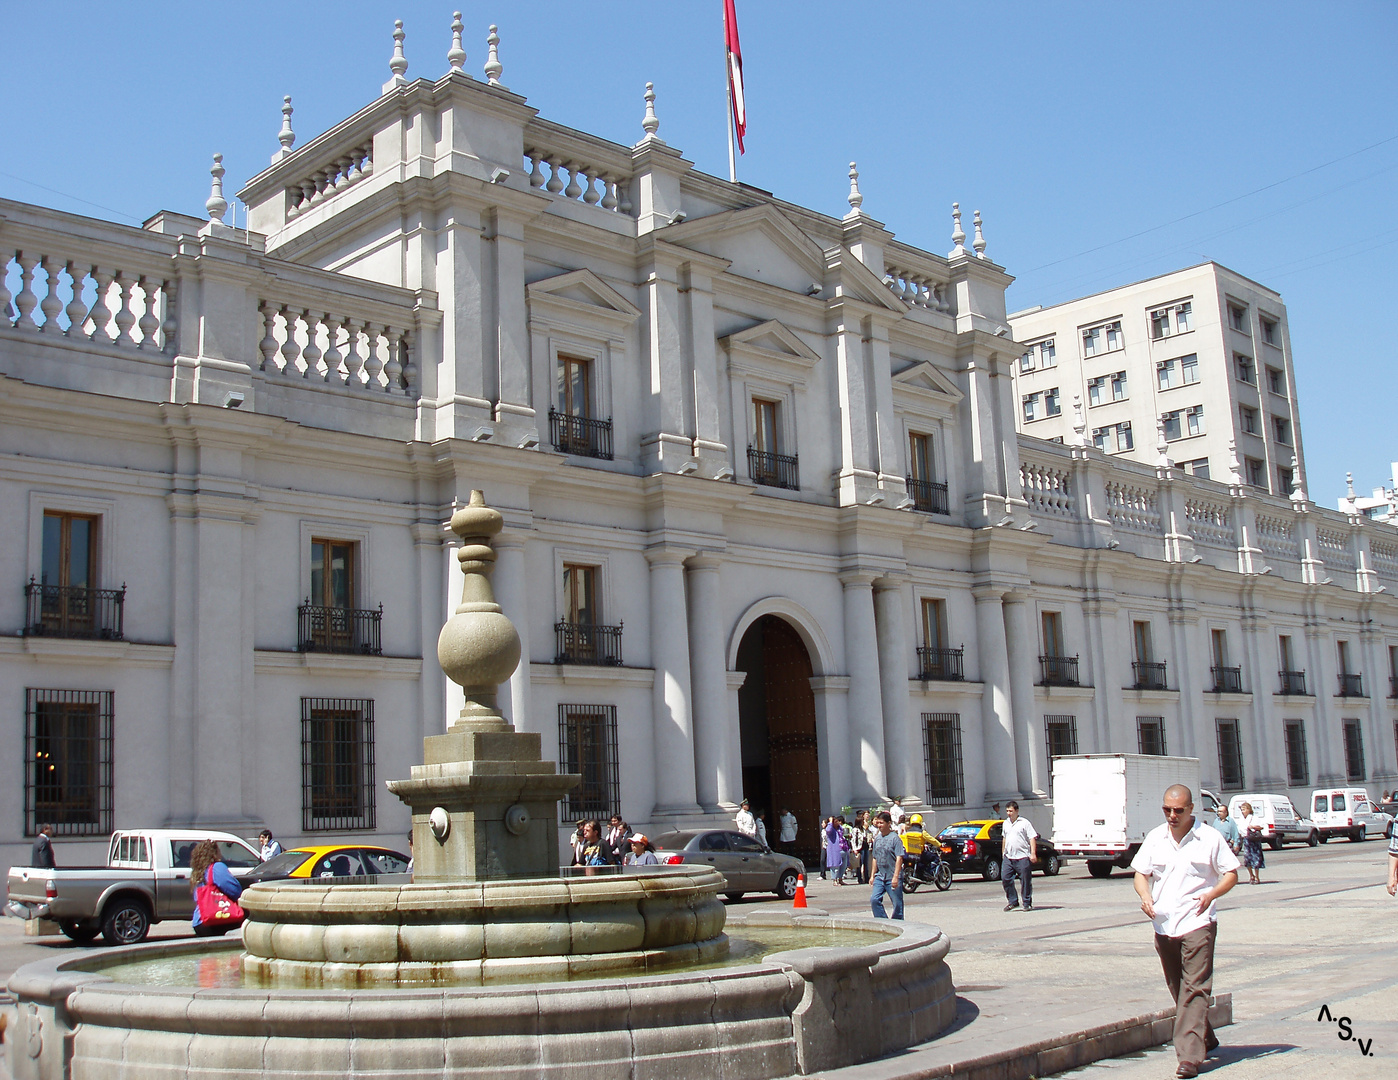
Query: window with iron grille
pixel 1060 738
pixel 941 744
pixel 1230 755
pixel 587 745
pixel 68 761
pixel 1298 769
pixel 1150 735
pixel 337 764
pixel 1354 751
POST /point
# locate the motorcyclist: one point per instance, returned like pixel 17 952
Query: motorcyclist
pixel 918 843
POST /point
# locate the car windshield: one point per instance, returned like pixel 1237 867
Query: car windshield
pixel 284 863
pixel 956 832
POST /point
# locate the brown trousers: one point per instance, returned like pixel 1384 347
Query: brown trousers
pixel 1188 963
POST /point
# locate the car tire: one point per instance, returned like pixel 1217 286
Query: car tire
pixel 1313 839
pixel 1357 836
pixel 942 877
pixel 80 931
pixel 1324 838
pixel 125 921
pixel 1099 868
pixel 1275 843
pixel 733 895
pixel 786 885
pixel 992 870
pixel 1052 865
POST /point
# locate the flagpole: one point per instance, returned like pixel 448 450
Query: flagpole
pixel 728 82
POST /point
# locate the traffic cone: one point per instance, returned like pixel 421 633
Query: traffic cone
pixel 800 900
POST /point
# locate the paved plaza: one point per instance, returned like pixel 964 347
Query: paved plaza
pixel 1320 931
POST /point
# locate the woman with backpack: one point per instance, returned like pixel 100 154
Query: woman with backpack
pixel 216 892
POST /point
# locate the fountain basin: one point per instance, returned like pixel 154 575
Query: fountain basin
pixel 794 1012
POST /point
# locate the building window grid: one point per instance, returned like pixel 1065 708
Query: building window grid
pixel 1060 738
pixel 1052 403
pixel 1189 369
pixel 1354 751
pixel 1246 372
pixel 587 745
pixel 1298 769
pixel 1150 735
pixel 68 761
pixel 337 764
pixel 941 744
pixel 1171 319
pixel 1230 756
pixel 1102 338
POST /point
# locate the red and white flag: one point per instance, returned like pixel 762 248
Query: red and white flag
pixel 735 72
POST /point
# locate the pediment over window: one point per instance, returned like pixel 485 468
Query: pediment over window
pixel 769 348
pixel 759 242
pixel 924 388
pixel 580 295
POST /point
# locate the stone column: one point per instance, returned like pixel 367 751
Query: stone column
pixel 1031 760
pixel 669 650
pixel 868 780
pixel 514 410
pixel 512 594
pixel 903 753
pixel 997 718
pixel 714 785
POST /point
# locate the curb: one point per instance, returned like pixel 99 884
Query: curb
pixel 1060 1053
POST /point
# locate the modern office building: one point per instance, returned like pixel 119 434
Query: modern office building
pixel 770 528
pixel 1202 353
pixel 1381 505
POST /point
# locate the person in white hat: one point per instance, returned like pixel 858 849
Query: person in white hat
pixel 640 853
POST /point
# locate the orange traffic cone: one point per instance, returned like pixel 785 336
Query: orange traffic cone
pixel 800 900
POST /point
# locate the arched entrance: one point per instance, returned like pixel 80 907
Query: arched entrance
pixel 777 731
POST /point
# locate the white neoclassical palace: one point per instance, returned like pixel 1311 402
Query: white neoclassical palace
pixel 770 528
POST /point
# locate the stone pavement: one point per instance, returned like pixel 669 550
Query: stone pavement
pixel 1320 931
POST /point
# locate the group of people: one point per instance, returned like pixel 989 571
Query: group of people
pixel 620 845
pixel 1243 837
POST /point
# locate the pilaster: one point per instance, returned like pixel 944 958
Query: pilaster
pixel 715 785
pixel 670 701
pixel 869 782
pixel 903 752
pixel 997 711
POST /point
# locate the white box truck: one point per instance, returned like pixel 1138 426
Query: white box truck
pixel 1105 804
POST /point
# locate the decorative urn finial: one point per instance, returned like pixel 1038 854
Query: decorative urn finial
pixel 493 68
pixel 979 242
pixel 958 234
pixel 478 647
pixel 856 197
pixel 286 136
pixel 456 55
pixel 651 123
pixel 399 64
pixel 216 205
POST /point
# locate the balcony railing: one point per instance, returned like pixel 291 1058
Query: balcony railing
pixel 929 496
pixel 587 643
pixel 1227 680
pixel 1059 671
pixel 773 470
pixel 1351 685
pixel 944 665
pixel 74 612
pixel 1149 674
pixel 339 630
pixel 580 435
pixel 1293 683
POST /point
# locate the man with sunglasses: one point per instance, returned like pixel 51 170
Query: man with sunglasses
pixel 1182 868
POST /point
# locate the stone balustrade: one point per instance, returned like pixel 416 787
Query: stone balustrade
pixel 342 171
pixel 310 336
pixel 919 278
pixel 578 168
pixel 1086 498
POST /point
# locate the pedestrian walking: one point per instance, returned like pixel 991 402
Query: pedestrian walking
pixel 787 837
pixel 762 827
pixel 823 838
pixel 1228 828
pixel 1017 858
pixel 895 810
pixel 886 857
pixel 1182 869
pixel 41 854
pixel 1251 829
pixel 747 824
pixel 618 834
pixel 1393 863
pixel 836 853
pixel 859 847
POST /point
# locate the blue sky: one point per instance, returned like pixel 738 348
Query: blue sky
pixel 1099 140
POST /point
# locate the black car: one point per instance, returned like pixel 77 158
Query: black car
pixel 973 847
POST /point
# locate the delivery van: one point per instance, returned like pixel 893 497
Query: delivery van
pixel 1345 811
pixel 1278 817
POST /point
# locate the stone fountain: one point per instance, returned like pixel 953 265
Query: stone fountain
pixel 489 962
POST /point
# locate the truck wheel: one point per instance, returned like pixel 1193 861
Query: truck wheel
pixel 1276 843
pixel 81 932
pixel 1313 839
pixel 1099 868
pixel 125 922
pixel 992 870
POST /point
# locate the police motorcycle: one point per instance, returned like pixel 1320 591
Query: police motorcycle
pixel 925 866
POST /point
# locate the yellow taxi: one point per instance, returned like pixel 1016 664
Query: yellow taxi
pixel 973 847
pixel 330 861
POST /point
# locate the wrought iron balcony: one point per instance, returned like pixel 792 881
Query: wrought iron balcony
pixel 773 470
pixel 73 612
pixel 929 496
pixel 580 435
pixel 1227 680
pixel 1351 685
pixel 1059 671
pixel 587 643
pixel 339 630
pixel 944 665
pixel 1149 674
pixel 1293 683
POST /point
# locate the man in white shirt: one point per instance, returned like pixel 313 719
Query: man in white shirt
pixel 1182 868
pixel 1017 857
pixel 787 836
pixel 895 810
pixel 747 824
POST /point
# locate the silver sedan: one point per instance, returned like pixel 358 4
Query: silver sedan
pixel 748 866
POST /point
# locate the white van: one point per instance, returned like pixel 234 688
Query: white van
pixel 1278 817
pixel 1345 811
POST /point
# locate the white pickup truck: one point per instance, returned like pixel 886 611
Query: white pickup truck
pixel 145 881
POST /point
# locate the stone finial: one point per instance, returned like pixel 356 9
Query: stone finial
pixel 1162 444
pixel 856 198
pixel 651 123
pixel 493 68
pixel 456 56
pixel 979 242
pixel 478 647
pixel 286 136
pixel 216 205
pixel 1079 422
pixel 1349 486
pixel 399 64
pixel 958 234
pixel 1298 487
pixel 1235 469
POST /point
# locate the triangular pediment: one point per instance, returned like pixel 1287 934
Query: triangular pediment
pixel 584 288
pixel 856 281
pixel 759 242
pixel 772 337
pixel 923 378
